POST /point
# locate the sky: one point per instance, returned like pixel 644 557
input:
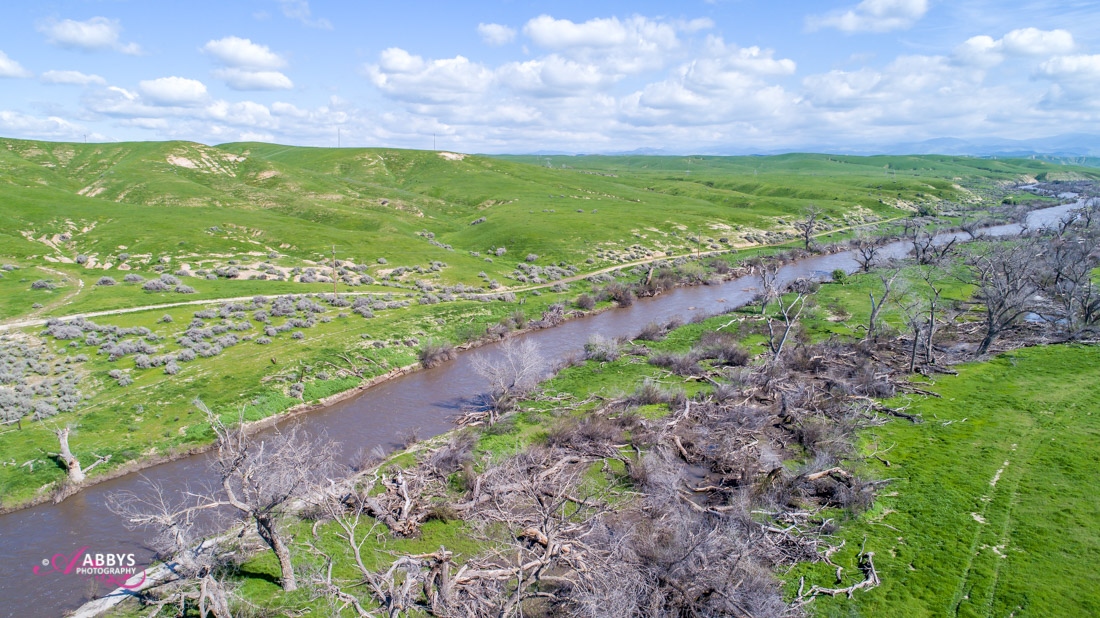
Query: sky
pixel 519 76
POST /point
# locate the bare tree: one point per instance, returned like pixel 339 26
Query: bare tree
pixel 512 373
pixel 194 563
pixel 887 278
pixel 931 276
pixel 867 250
pixel 1067 280
pixel 811 215
pixel 913 308
pixel 1003 275
pixel 76 474
pixel 261 480
pixel 788 309
pixel 927 250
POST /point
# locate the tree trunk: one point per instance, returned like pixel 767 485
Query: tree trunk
pixel 983 347
pixel 265 525
pixel 913 352
pixel 72 464
pixel 928 352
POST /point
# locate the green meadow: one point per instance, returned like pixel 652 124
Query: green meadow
pixel 438 239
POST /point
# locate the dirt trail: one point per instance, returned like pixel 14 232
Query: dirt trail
pixel 25 323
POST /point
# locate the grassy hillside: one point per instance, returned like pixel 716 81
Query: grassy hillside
pixel 421 232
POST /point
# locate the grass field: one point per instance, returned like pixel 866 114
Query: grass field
pixel 992 512
pixel 407 226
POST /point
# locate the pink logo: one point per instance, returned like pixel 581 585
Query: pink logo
pixel 111 569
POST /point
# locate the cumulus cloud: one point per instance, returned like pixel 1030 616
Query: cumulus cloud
pixel 552 76
pixel 243 54
pixel 872 16
pixel 1035 42
pixel 50 127
pixel 727 83
pixel 299 11
pixel 173 91
pixel 1081 65
pixel 75 78
pixel 11 68
pixel 627 46
pixel 97 33
pixel 409 77
pixel 496 34
pixel 984 51
pixel 239 79
pixel 249 66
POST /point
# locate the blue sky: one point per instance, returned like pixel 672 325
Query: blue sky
pixel 522 76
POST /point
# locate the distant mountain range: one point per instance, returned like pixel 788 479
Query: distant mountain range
pixel 1077 148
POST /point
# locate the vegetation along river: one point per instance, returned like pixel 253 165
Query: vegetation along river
pixel 426 401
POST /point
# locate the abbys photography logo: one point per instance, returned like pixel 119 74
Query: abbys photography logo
pixel 110 568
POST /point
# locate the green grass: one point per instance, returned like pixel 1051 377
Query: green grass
pixel 947 540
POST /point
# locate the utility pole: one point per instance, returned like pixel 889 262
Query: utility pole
pixel 334 272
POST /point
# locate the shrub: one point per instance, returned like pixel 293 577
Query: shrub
pixel 478 221
pixel 171 368
pixel 434 352
pixel 298 335
pixel 651 332
pixel 839 276
pixel 155 285
pixel 184 289
pixel 600 348
pixel 585 302
pixel 723 349
pixel 382 260
pixel 501 251
pixel 132 278
pixel 680 364
pixel 531 257
pixel 82 259
pixel 43 284
pixel 106 281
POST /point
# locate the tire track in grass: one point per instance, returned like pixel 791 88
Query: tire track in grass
pixel 963 602
pixel 1005 536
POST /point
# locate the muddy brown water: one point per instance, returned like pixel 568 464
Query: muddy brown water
pixel 426 401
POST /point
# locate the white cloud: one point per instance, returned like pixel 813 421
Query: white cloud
pixel 552 76
pixel 552 33
pixel 173 91
pixel 627 46
pixel 243 54
pixel 75 78
pixel 409 77
pixel 1035 42
pixel 299 10
pixel 984 51
pixel 1072 66
pixel 11 68
pixel 980 51
pixel 726 84
pixel 496 34
pixel 748 59
pixel 96 33
pixel 240 79
pixel 51 127
pixel 873 16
